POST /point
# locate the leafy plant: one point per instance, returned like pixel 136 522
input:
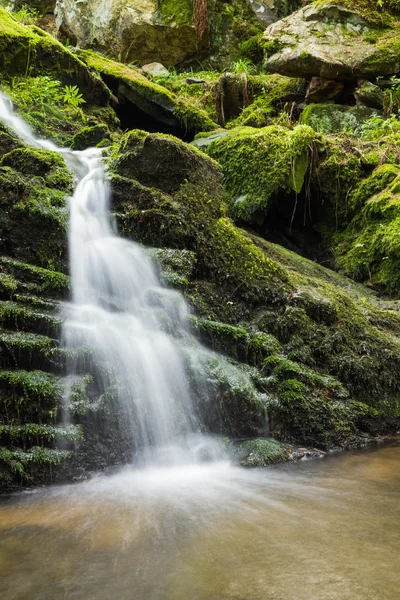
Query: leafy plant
pixel 26 15
pixel 72 96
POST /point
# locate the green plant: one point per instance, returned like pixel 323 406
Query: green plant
pixel 26 15
pixel 42 93
pixel 72 96
pixel 243 66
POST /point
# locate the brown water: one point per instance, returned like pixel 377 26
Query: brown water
pixel 322 530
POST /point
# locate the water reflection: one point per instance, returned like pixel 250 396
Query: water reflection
pixel 321 530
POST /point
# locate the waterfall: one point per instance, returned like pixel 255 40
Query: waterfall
pixel 118 311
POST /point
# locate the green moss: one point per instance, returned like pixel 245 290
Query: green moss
pixel 236 342
pixel 334 118
pixel 33 188
pixel 37 434
pixel 89 137
pixel 311 408
pixel 150 97
pixel 37 464
pixel 259 452
pixel 231 258
pixel 271 95
pixel 368 249
pixel 42 281
pixel 42 163
pixel 18 316
pixel 257 164
pixel 176 11
pixel 29 341
pixel 29 396
pixel 30 50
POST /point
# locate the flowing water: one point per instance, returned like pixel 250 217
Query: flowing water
pixel 119 311
pixel 320 530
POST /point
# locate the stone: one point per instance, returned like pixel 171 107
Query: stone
pixel 369 94
pixel 131 30
pixel 194 80
pixel 323 89
pixel 155 69
pixel 329 40
pixel 269 11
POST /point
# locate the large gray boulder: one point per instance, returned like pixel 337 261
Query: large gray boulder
pixel 329 40
pixel 141 31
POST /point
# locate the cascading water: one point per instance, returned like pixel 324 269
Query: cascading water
pixel 134 330
pixel 116 309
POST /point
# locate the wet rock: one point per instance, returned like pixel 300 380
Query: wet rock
pixel 331 41
pixel 369 94
pixel 323 89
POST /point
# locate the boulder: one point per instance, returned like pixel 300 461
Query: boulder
pixel 269 11
pixel 328 40
pixel 142 97
pixel 369 94
pixel 334 118
pixel 155 69
pixel 323 89
pixel 132 30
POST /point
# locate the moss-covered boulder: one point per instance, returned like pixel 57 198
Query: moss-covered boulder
pixel 260 163
pixel 368 249
pixel 335 118
pixel 258 452
pixel 166 31
pixel 33 188
pixel 31 50
pixel 147 97
pixel 361 41
pixel 136 30
pixel 168 193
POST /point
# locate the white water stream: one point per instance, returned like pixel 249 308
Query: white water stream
pixel 118 311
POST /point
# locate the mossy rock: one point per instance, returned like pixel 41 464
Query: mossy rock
pixel 226 397
pixel 259 452
pixel 149 97
pixel 275 93
pixel 29 283
pixel 88 137
pixel 24 47
pixel 334 118
pixel 37 465
pixel 259 163
pixel 348 27
pixel 311 408
pixel 368 248
pixel 29 396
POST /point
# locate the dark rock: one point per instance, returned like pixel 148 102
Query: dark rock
pixel 369 94
pixel 194 80
pixel 323 89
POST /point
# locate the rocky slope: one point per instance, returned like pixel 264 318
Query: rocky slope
pixel 282 170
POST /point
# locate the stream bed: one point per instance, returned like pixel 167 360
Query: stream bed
pixel 325 529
